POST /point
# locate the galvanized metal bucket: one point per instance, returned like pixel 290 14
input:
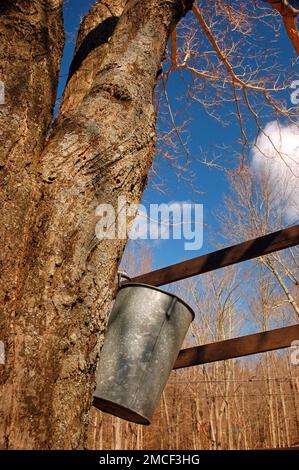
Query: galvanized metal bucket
pixel 145 332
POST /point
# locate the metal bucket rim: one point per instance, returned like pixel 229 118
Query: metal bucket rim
pixel 100 403
pixel 139 284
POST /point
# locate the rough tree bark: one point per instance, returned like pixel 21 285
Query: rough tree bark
pixel 56 277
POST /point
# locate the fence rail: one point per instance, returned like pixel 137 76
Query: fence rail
pixel 259 246
pixel 238 347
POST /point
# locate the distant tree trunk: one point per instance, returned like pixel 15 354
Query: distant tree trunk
pixel 56 277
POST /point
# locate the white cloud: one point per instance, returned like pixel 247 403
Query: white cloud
pixel 276 155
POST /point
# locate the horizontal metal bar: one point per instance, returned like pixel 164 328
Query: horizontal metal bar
pixel 238 347
pixel 260 246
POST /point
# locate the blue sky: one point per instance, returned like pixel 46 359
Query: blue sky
pixel 205 133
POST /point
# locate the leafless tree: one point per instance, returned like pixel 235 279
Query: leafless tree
pixel 57 278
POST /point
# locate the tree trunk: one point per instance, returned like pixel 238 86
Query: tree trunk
pixel 57 276
pixel 30 48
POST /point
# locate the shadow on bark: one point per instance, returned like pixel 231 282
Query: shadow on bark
pixel 96 38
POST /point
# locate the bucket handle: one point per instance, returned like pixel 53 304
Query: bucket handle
pixel 120 275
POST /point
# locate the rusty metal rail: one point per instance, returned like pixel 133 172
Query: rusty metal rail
pixel 260 246
pixel 238 347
